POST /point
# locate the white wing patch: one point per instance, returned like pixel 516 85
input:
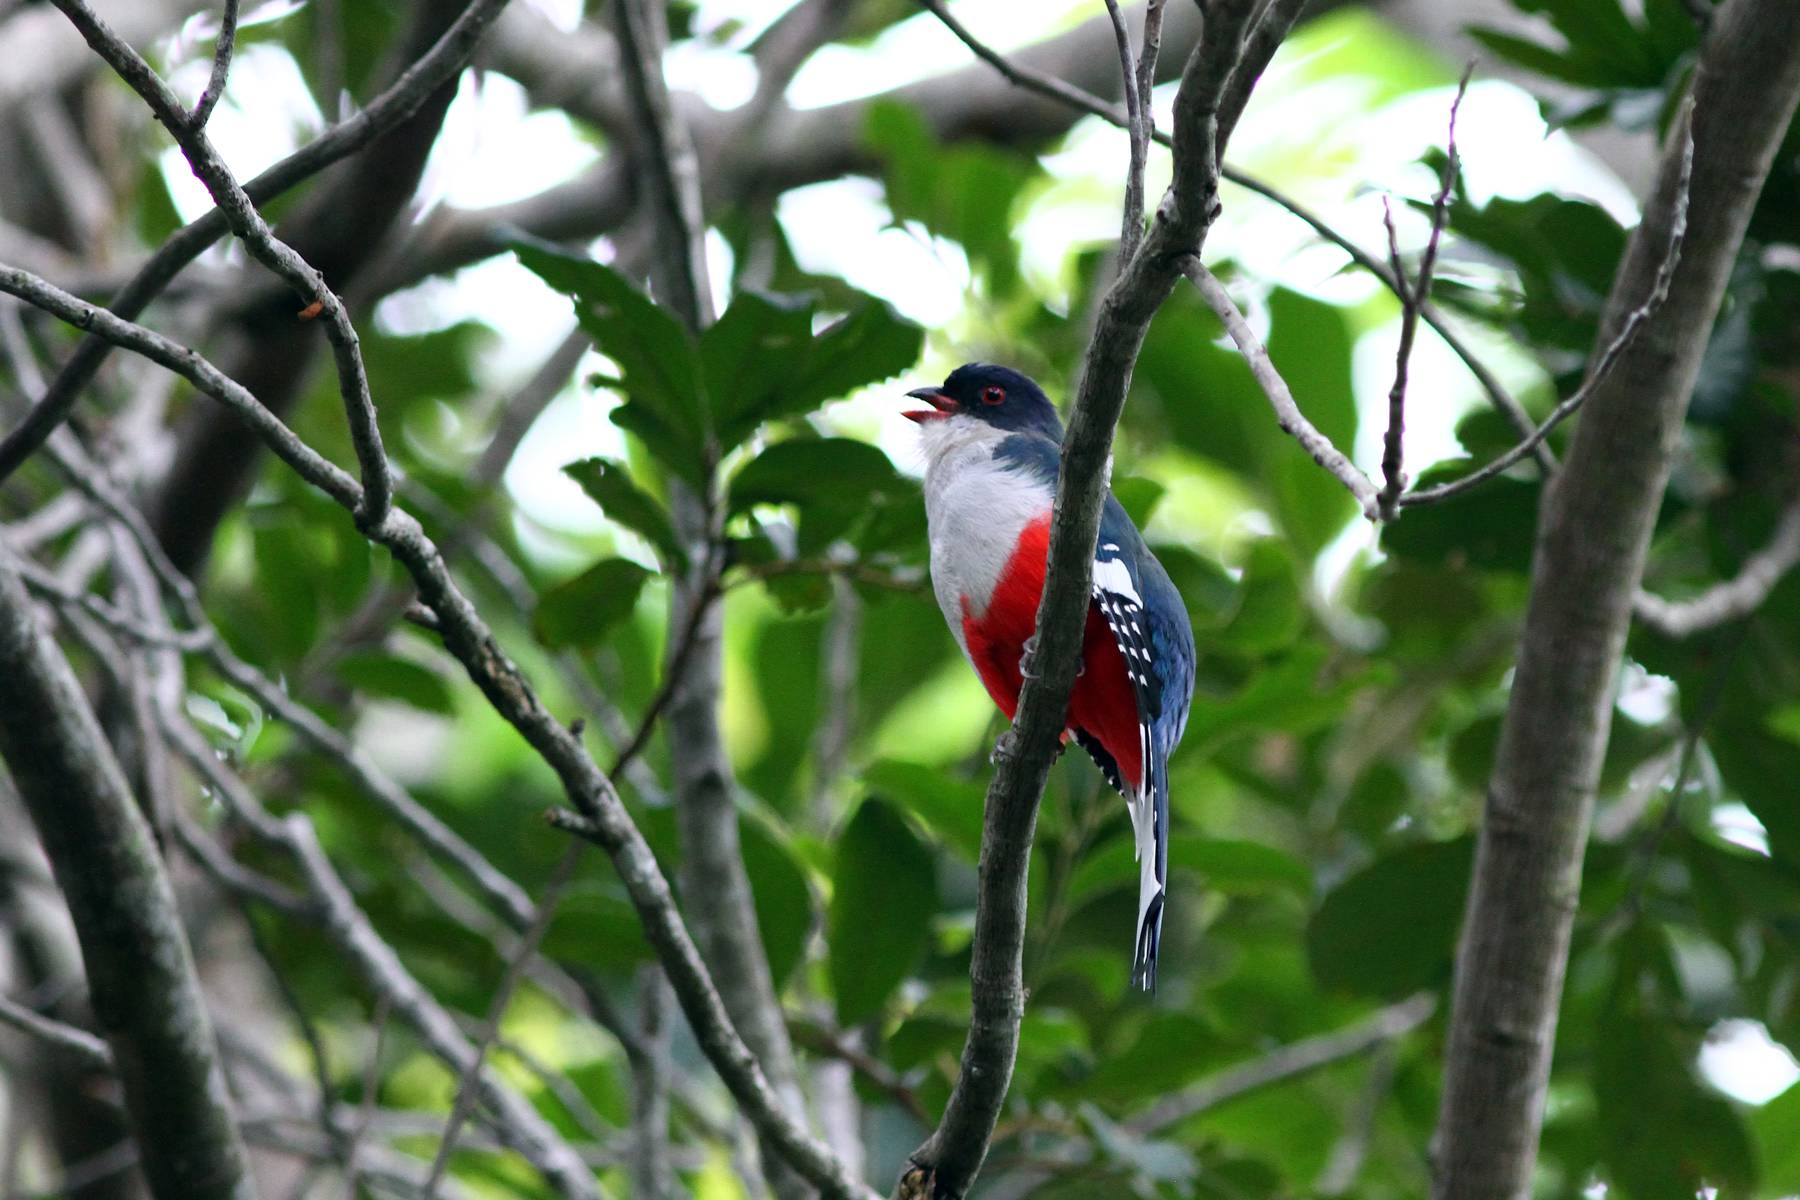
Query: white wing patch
pixel 1123 610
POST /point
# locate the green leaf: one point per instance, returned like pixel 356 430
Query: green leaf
pixel 1491 526
pixel 951 807
pixel 581 611
pixel 1138 497
pixel 391 678
pixel 1270 611
pixel 1777 1129
pixel 784 909
pixel 1662 1133
pixel 1390 929
pixel 1234 866
pixel 836 472
pixel 1553 64
pixel 963 191
pixel 658 361
pixel 884 896
pixel 749 357
pixel 609 485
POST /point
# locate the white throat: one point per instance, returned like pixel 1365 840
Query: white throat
pixel 975 508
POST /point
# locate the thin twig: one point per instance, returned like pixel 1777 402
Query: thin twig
pixel 1149 49
pixel 1412 298
pixel 1736 597
pixel 1131 230
pixel 1066 93
pixel 518 1124
pixel 1603 366
pixel 1287 413
pixel 391 108
pixel 91 1049
pixel 260 240
pixel 468 1086
pixel 215 86
pixel 1297 1058
pixel 365 1112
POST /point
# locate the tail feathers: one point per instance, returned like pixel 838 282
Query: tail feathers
pixel 1150 825
pixel 1149 941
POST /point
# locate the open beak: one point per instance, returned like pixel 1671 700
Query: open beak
pixel 942 406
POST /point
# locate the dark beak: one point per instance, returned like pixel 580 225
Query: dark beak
pixel 942 406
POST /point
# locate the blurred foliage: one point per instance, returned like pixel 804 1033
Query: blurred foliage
pixel 1326 795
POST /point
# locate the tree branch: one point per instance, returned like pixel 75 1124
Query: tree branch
pixel 1287 413
pixel 247 223
pixel 348 926
pixel 1593 530
pixel 392 107
pixel 221 68
pixel 1412 298
pixel 1289 1061
pixel 1735 598
pixel 1281 16
pixel 91 1050
pixel 719 900
pixel 1603 366
pixel 468 638
pixel 140 971
pixel 948 1161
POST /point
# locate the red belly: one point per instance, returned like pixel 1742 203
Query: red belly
pixel 1103 704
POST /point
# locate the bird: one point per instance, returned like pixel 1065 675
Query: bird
pixel 992 444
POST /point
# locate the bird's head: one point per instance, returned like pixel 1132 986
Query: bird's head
pixel 997 396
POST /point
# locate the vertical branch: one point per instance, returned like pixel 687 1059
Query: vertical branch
pixel 1413 298
pixel 140 970
pixel 945 1165
pixel 1593 531
pixel 650 1175
pixel 1131 230
pixel 221 69
pixel 717 891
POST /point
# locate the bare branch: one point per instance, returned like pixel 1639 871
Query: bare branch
pixel 1264 38
pixel 1057 89
pixel 241 214
pixel 1594 528
pixel 468 637
pixel 1131 230
pixel 650 1174
pixel 1413 298
pixel 1278 1066
pixel 63 1036
pixel 140 971
pixel 221 68
pixel 388 110
pixel 467 1087
pixel 1287 413
pixel 1735 598
pixel 950 1158
pixel 1597 377
pixel 349 927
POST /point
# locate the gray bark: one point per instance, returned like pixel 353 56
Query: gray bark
pixel 1593 531
pixel 140 971
pixel 716 889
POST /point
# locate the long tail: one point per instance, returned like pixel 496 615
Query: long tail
pixel 1150 822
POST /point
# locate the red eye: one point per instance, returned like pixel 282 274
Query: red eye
pixel 993 395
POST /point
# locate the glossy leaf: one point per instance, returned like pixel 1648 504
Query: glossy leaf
pixel 581 611
pixel 1390 929
pixel 609 484
pixel 884 895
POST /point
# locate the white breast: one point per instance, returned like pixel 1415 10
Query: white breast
pixel 975 508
